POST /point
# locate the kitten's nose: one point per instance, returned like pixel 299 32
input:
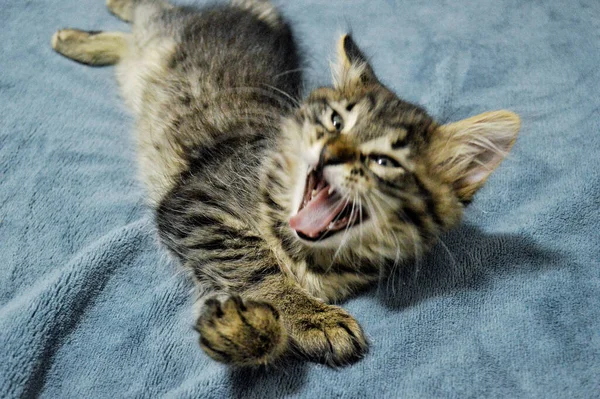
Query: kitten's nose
pixel 338 150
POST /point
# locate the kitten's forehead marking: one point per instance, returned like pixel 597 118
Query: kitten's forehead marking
pixel 402 135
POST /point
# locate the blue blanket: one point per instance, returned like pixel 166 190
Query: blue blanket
pixel 508 305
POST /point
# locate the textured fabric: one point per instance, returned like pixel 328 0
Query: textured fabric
pixel 508 305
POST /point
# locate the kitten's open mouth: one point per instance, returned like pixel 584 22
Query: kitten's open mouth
pixel 323 211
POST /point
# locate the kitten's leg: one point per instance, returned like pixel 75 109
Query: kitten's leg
pixel 122 9
pixel 277 317
pixel 92 48
pixel 125 9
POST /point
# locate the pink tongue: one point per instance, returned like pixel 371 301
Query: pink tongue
pixel 317 214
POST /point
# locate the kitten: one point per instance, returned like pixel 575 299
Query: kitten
pixel 278 207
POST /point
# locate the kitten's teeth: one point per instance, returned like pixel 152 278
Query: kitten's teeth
pixel 330 191
pixel 331 225
pixel 314 192
pixel 310 169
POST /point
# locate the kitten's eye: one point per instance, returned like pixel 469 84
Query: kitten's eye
pixel 337 121
pixel 384 161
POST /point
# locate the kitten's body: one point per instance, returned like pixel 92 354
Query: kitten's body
pixel 224 151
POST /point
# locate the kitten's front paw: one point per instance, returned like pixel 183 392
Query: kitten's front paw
pixel 241 333
pixel 330 335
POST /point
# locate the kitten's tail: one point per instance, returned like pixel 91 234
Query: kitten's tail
pixel 263 9
pixel 91 48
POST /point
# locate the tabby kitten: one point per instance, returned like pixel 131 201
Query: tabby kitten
pixel 278 207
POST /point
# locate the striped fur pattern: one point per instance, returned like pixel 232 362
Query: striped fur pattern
pixel 225 148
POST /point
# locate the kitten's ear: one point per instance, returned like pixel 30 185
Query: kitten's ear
pixel 464 153
pixel 351 67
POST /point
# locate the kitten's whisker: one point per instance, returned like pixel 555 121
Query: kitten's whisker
pixel 416 248
pixel 270 117
pixel 397 258
pixel 278 95
pixel 289 72
pixel 415 238
pixel 454 263
pixel 344 238
pixel 385 199
pixel 295 101
pixel 383 213
pixel 256 117
pixel 360 220
pixel 373 213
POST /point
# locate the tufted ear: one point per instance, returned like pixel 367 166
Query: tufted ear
pixel 464 153
pixel 351 67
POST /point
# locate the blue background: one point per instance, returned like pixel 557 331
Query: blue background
pixel 508 305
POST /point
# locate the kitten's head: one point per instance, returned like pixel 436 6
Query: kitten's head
pixel 375 176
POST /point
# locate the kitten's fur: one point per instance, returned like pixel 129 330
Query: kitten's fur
pixel 224 151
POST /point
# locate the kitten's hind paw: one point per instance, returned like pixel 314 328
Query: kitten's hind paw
pixel 241 333
pixel 61 38
pixel 122 9
pixel 90 47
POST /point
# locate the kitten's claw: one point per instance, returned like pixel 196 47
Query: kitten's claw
pixel 330 336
